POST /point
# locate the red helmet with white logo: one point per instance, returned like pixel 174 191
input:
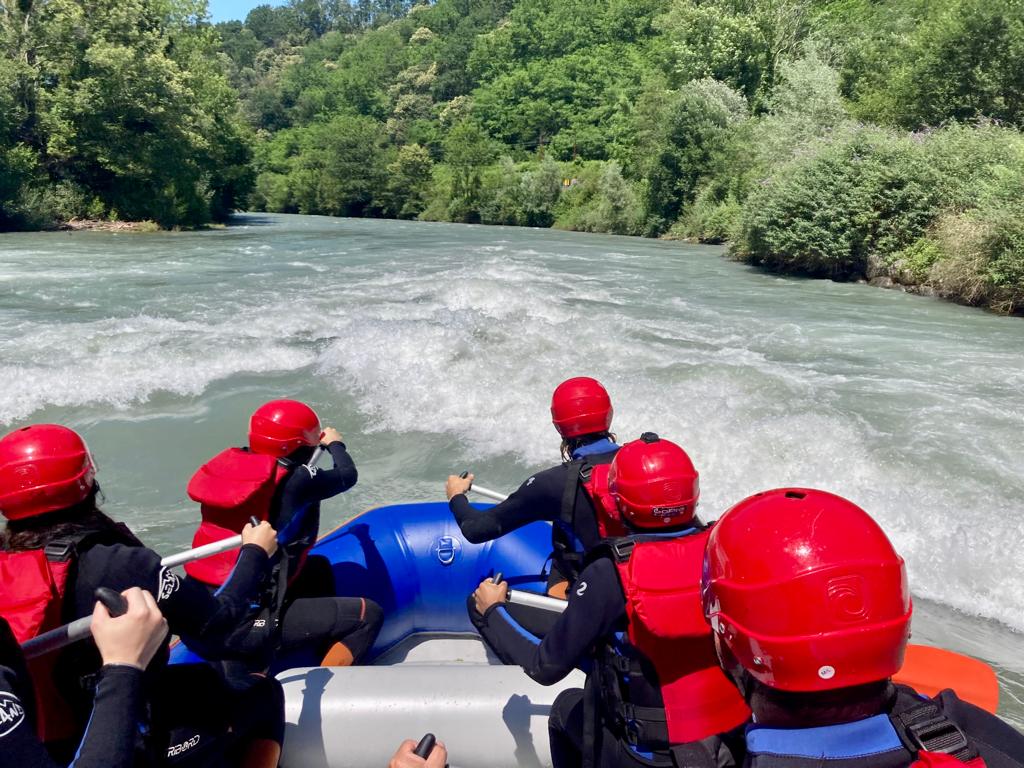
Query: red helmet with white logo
pixel 281 426
pixel 581 406
pixel 806 592
pixel 654 483
pixel 43 468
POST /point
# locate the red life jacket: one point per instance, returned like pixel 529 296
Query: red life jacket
pixel 609 521
pixel 660 579
pixel 231 487
pixel 32 587
pixel 940 760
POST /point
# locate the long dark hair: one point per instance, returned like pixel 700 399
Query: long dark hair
pixel 570 444
pixel 70 522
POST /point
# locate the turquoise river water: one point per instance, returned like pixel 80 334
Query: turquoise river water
pixel 434 348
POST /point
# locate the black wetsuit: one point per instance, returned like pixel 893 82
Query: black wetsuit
pixel 874 742
pixel 542 497
pixel 311 619
pixel 194 718
pixel 596 610
pixel 109 739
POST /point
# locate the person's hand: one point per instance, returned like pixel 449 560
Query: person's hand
pixel 457 485
pixel 488 594
pixel 331 435
pixel 406 758
pixel 133 638
pixel 263 535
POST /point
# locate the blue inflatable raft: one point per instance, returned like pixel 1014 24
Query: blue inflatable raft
pixel 429 669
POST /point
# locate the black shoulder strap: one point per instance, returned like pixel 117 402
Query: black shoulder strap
pixel 64 548
pixel 923 726
pixel 696 754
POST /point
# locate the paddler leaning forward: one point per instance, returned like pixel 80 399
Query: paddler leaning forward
pixel 58 548
pixel 655 693
pixel 582 413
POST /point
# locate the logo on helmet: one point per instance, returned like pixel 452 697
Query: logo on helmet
pixel 846 599
pixel 669 511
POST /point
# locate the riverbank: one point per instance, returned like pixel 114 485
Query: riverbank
pixel 104 225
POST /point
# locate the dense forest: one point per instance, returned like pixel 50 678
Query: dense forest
pixel 851 139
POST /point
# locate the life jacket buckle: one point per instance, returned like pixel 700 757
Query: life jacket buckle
pixel 938 734
pixel 586 470
pixel 622 549
pixel 59 550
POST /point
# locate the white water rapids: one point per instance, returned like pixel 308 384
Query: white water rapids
pixel 435 348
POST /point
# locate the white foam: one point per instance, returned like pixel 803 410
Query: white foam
pixel 445 336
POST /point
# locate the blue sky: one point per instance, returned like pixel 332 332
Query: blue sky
pixel 226 10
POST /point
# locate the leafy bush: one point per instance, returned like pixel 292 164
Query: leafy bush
pixel 601 201
pixel 826 213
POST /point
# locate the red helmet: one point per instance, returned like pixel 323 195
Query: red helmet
pixel 581 406
pixel 281 426
pixel 43 468
pixel 654 483
pixel 806 592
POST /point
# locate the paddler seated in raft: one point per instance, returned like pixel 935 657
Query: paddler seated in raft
pixel 582 413
pixel 810 610
pixel 654 688
pixel 275 479
pixel 58 548
pixel 126 645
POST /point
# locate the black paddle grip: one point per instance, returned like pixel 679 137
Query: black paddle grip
pixel 113 601
pixel 425 747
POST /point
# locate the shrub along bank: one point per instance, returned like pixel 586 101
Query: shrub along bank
pixel 836 138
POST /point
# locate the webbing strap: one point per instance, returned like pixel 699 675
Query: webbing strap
pixel 694 754
pixel 928 729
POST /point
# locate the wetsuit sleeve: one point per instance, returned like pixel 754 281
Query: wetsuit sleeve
pixel 109 740
pixel 539 498
pixel 303 489
pixel 189 607
pixel 1000 744
pixel 596 607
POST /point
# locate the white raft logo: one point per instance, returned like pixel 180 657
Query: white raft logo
pixel 185 746
pixel 12 714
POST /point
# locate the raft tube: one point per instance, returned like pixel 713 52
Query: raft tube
pixel 428 670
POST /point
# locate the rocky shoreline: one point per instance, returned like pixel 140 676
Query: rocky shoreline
pixel 104 225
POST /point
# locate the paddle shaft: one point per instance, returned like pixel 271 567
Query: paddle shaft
pixel 533 600
pixel 82 628
pixel 77 630
pixel 487 492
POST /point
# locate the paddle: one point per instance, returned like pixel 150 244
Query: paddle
pixel 115 604
pixel 487 492
pixel 426 746
pixel 926 669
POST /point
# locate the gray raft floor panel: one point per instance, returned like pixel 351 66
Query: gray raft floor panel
pixel 488 715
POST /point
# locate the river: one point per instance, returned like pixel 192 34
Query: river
pixel 435 347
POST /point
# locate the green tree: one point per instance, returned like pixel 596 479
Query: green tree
pixel 467 151
pixel 408 182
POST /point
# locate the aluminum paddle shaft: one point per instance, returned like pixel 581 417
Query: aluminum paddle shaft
pixel 487 492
